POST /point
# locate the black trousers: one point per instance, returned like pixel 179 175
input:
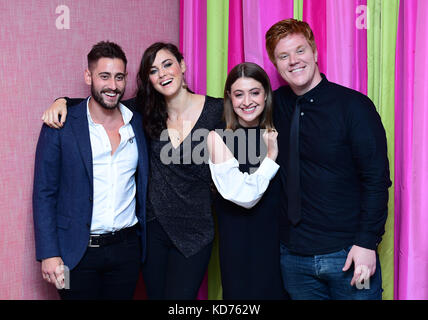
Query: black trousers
pixel 167 273
pixel 108 272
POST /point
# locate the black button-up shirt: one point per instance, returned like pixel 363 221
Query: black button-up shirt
pixel 344 169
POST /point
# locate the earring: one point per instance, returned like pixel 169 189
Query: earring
pixel 184 85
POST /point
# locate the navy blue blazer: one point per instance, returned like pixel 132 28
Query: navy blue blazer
pixel 63 187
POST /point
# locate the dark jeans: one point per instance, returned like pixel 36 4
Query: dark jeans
pixel 320 277
pixel 167 273
pixel 109 272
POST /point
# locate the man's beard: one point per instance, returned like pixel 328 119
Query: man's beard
pixel 100 99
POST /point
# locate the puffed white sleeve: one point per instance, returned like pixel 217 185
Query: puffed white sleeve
pixel 242 188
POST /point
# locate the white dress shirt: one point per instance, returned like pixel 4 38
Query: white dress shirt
pixel 242 188
pixel 114 176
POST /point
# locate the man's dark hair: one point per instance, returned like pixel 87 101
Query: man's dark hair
pixel 105 49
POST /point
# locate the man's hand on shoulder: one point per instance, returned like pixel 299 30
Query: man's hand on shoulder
pixel 51 116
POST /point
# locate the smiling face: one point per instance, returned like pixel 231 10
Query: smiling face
pixel 296 63
pixel 166 73
pixel 248 101
pixel 107 79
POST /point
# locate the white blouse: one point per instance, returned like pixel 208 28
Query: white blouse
pixel 242 188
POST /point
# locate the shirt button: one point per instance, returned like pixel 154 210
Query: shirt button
pixel 312 100
pixel 302 114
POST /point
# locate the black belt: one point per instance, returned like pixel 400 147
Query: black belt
pixel 99 240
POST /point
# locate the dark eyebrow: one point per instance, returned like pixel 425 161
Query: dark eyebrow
pixel 166 60
pixel 109 74
pixel 255 88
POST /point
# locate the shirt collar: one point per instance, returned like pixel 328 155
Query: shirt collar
pixel 314 92
pixel 126 113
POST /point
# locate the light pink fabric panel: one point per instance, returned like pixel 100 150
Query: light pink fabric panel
pixel 253 35
pixel 270 13
pixel 346 56
pixel 39 62
pixel 258 17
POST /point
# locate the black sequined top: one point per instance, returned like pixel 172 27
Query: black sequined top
pixel 179 188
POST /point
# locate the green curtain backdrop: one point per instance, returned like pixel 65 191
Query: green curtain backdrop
pixel 381 45
pixel 217 38
pixel 298 9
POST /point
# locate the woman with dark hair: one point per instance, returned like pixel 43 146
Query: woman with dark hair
pixel 180 226
pixel 248 230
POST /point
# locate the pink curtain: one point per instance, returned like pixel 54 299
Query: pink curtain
pixel 419 270
pixel 270 14
pixel 411 152
pixel 258 17
pixel 314 13
pixel 193 45
pixel 193 42
pixel 253 36
pixel 236 32
pixel 346 48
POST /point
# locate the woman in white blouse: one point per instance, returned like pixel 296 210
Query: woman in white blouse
pixel 242 164
pixel 245 107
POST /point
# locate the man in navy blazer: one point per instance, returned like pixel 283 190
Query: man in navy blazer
pixel 89 193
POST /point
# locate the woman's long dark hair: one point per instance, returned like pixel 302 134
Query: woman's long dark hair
pixel 151 103
pixel 254 71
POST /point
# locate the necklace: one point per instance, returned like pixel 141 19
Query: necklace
pixel 174 135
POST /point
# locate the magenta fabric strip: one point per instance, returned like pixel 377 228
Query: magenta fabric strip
pixel 194 43
pixel 236 35
pixel 181 31
pixel 404 75
pixel 360 76
pixel 418 251
pixel 314 13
